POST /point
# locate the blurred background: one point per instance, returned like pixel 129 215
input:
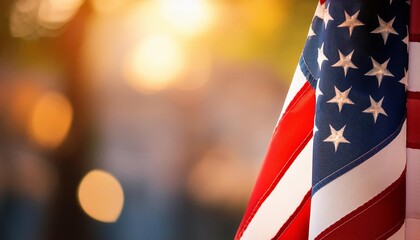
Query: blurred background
pixel 139 119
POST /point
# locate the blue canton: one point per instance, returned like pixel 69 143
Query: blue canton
pixel 356 58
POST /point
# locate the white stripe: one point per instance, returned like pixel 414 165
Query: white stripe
pixel 412 229
pixel 413 68
pixel 284 199
pixel 413 156
pixel 399 235
pixel 356 187
pixel 297 83
pixel 413 194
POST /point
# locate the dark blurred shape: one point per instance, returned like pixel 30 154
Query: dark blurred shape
pixel 74 156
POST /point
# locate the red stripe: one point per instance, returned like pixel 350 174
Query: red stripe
pixel 296 226
pixel 414 37
pixel 413 120
pixel 415 21
pixel 291 135
pixel 379 218
pixel 413 95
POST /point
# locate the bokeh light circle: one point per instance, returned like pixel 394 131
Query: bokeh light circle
pixel 101 196
pixel 51 119
pixel 154 63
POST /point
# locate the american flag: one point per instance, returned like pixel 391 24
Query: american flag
pixel 344 161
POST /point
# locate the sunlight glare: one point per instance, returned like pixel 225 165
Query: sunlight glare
pixel 189 17
pixel 155 63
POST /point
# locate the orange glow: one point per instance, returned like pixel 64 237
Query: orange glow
pixel 155 63
pixel 51 120
pixel 101 196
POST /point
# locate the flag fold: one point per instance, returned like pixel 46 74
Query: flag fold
pixel 344 160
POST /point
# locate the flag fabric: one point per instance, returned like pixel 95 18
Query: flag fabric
pixel 344 160
pixel 412 220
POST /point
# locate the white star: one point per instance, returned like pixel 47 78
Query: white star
pixel 375 108
pixel 341 98
pixel 385 28
pixel 323 13
pixel 379 70
pixel 320 10
pixel 405 40
pixel 351 21
pixel 311 32
pixel 327 16
pixel 404 80
pixel 336 137
pixel 321 56
pixel 318 90
pixel 315 129
pixel 345 62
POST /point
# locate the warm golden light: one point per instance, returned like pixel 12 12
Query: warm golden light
pixel 199 70
pixel 155 63
pixel 51 119
pixel 32 19
pixel 188 16
pixel 54 13
pixel 23 95
pixel 101 196
pixel 107 6
pixel 21 18
pixel 229 188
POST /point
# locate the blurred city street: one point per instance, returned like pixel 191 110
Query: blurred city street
pixel 139 119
